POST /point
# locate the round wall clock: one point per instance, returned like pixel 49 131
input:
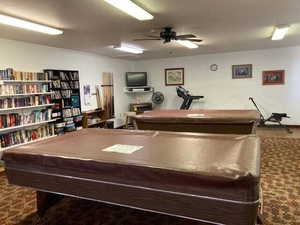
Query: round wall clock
pixel 214 67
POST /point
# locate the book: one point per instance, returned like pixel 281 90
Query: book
pixel 75 100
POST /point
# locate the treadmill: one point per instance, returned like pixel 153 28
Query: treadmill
pixel 187 98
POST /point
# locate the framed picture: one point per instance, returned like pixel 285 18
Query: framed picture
pixel 174 76
pixel 242 71
pixel 273 77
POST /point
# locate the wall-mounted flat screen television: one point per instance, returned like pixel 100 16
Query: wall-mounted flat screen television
pixel 136 79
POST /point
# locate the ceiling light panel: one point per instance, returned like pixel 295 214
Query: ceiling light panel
pixel 11 21
pixel 187 44
pixel 280 32
pixel 129 49
pixel 131 9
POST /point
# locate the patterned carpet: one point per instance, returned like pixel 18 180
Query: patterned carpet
pixel 280 181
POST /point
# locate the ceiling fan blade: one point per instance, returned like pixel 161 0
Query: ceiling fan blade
pixel 185 36
pixel 152 36
pixel 147 39
pixel 193 40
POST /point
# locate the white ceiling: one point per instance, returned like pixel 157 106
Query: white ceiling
pixel 93 25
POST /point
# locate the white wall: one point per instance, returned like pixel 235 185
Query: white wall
pixel 223 92
pixel 35 58
pixel 219 89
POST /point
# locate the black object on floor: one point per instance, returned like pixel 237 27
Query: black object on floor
pixel 274 118
pixel 187 98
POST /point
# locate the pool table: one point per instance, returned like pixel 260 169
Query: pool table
pixel 202 121
pixel 212 178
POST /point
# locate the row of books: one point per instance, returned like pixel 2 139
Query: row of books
pixel 7 103
pixel 17 119
pixel 55 84
pixel 61 75
pixel 74 84
pixel 70 85
pixel 56 95
pixel 10 120
pixel 13 89
pixel 11 74
pixel 73 102
pixel 71 112
pixel 66 93
pixel 24 136
pixel 56 114
pixel 69 75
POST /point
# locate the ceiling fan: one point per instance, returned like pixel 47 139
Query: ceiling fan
pixel 168 35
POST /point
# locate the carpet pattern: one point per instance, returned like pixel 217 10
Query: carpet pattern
pixel 280 182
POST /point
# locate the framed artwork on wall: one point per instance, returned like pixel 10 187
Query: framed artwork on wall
pixel 273 77
pixel 174 76
pixel 242 71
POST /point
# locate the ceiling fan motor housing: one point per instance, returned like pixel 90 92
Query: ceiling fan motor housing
pixel 168 35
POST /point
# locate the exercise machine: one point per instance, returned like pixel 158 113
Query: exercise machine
pixel 274 118
pixel 187 98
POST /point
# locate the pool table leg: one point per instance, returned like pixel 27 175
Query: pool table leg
pixel 45 200
pixel 260 220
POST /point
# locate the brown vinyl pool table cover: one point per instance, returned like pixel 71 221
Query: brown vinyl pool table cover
pixel 206 121
pixel 209 170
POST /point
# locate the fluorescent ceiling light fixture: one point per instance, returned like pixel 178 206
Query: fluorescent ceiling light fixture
pixel 129 49
pixel 280 32
pixel 131 9
pixel 11 21
pixel 187 44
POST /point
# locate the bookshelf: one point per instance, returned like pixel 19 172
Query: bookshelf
pixel 25 108
pixel 12 128
pixel 66 99
pixel 21 144
pixel 93 118
pixel 24 81
pixel 27 94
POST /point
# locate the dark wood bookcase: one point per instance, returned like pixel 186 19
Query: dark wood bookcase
pixel 66 87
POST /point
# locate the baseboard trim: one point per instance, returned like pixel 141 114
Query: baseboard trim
pixel 293 126
pixel 273 125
